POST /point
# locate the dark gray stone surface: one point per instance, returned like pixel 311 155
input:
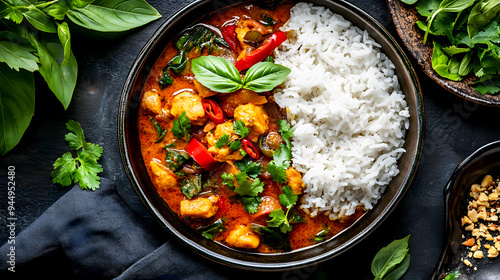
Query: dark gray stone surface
pixel 455 128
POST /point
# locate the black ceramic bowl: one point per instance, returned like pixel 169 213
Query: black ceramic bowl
pixel 136 170
pixel 484 161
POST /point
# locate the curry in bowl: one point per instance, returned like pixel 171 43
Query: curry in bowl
pixel 231 145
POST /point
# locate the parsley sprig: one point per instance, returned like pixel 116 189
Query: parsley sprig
pixel 282 156
pixel 84 168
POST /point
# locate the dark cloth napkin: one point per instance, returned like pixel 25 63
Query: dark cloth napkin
pixel 97 235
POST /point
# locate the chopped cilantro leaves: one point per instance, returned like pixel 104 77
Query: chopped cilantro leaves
pixel 182 126
pixel 223 140
pixel 240 128
pixel 252 169
pixel 280 218
pixel 283 155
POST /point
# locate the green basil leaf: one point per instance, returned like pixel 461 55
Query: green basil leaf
pixel 113 15
pixel 60 79
pixel 74 4
pixel 57 10
pixel 481 14
pixel 264 76
pixel 40 20
pixel 17 104
pixel 400 269
pixel 18 56
pixel 456 5
pixel 216 73
pixel 441 63
pixel 65 38
pixel 387 259
pixel 13 14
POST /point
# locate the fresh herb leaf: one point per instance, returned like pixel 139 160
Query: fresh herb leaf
pixel 482 14
pixel 159 130
pixel 220 75
pixel 17 102
pixel 211 230
pixel 264 76
pixel 228 180
pixel 84 168
pixel 191 185
pixel 240 128
pixel 280 163
pixel 447 6
pixel 113 15
pixel 251 203
pixel 278 217
pixel 285 130
pixel 216 73
pixel 18 56
pixel 175 159
pixel 394 258
pixel 222 141
pixel 65 38
pixel 252 169
pixel 247 186
pixel 181 126
pixel 235 145
pixel 272 237
pixel 39 20
pixel 282 156
pixel 287 197
pixel 452 275
pixel 60 79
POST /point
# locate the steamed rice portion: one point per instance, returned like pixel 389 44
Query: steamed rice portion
pixel 346 108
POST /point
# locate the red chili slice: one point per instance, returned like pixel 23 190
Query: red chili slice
pixel 261 52
pixel 250 148
pixel 213 110
pixel 229 35
pixel 200 154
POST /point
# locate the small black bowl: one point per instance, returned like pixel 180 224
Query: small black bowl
pixel 484 161
pixel 136 170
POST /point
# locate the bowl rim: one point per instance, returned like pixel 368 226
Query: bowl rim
pixel 214 256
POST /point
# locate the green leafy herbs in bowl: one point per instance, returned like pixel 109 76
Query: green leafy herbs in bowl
pixel 467 37
pixel 35 36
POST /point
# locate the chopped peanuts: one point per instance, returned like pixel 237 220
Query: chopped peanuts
pixel 481 221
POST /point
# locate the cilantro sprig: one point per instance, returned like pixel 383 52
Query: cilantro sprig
pixel 182 126
pixel 84 168
pixel 278 217
pixel 248 187
pixel 282 156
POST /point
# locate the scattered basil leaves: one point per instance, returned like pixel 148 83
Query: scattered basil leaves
pixel 46 47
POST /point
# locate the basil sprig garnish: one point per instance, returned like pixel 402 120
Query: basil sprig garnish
pixel 220 75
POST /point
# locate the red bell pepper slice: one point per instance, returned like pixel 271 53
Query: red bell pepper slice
pixel 200 154
pixel 229 35
pixel 250 148
pixel 213 110
pixel 261 52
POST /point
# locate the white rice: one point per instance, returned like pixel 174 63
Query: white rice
pixel 347 111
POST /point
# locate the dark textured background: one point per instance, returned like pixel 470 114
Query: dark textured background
pixel 454 129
